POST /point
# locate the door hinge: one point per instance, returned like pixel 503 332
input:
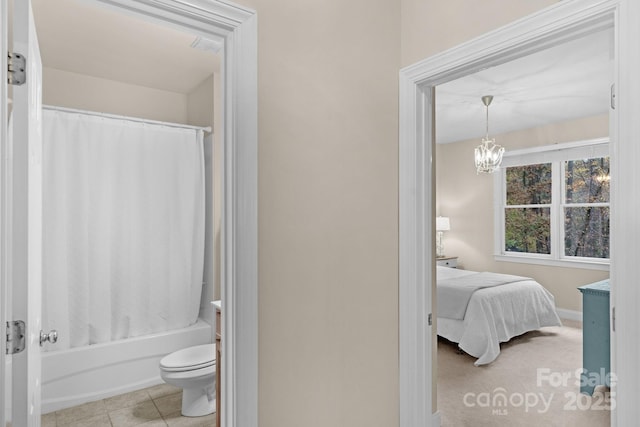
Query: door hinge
pixel 430 320
pixel 15 336
pixel 613 319
pixel 613 96
pixel 16 67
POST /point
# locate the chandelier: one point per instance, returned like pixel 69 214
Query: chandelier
pixel 488 153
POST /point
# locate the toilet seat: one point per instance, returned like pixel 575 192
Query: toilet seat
pixel 189 359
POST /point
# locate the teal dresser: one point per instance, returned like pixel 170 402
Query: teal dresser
pixel 596 351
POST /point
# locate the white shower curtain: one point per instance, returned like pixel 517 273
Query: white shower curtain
pixel 123 227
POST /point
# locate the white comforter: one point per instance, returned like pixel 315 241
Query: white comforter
pixel 497 314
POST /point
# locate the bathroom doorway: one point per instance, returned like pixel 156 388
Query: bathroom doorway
pixel 220 22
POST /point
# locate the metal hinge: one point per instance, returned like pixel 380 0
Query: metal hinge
pixel 15 336
pixel 16 66
pixel 613 319
pixel 429 320
pixel 613 96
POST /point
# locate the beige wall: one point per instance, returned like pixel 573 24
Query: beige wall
pixel 72 90
pixel 467 199
pixel 328 223
pixel 432 26
pixel 200 104
pixel 328 293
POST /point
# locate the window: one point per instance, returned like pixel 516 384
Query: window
pixel 552 205
pixel 527 213
pixel 586 208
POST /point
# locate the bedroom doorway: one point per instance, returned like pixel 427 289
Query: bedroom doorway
pixel 532 110
pixel 561 22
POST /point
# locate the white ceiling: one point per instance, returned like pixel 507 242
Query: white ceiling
pixel 565 82
pixel 87 38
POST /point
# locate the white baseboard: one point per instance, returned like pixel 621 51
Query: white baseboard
pixel 436 421
pixel 569 314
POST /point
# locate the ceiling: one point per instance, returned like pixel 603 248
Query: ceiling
pixel 569 81
pixel 88 38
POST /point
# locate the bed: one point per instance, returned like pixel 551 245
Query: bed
pixel 478 311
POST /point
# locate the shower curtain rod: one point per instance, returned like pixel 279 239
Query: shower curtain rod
pixel 131 119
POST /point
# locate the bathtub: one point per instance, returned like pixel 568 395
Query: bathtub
pixel 83 374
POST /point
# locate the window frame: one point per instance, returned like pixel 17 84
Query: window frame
pixel 555 154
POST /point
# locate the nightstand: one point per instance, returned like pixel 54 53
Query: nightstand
pixel 447 261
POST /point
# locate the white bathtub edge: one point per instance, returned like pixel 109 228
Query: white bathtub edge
pixel 89 374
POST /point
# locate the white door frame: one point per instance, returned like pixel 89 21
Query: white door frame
pixel 4 117
pixel 236 28
pixel 540 30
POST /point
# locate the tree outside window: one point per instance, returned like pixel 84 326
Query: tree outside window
pixel 581 211
pixel 528 213
pixel 586 208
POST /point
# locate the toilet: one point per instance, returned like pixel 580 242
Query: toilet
pixel 194 370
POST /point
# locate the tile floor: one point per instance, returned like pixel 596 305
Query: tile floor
pixel 157 406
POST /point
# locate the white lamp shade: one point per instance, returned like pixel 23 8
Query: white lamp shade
pixel 442 223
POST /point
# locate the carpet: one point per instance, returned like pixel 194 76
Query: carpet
pixel 534 382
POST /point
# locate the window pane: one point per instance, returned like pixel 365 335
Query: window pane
pixel 528 230
pixel 587 181
pixel 586 232
pixel 529 185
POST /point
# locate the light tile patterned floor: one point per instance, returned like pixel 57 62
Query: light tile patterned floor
pixel 157 406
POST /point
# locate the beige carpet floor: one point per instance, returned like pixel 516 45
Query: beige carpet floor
pixel 532 383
